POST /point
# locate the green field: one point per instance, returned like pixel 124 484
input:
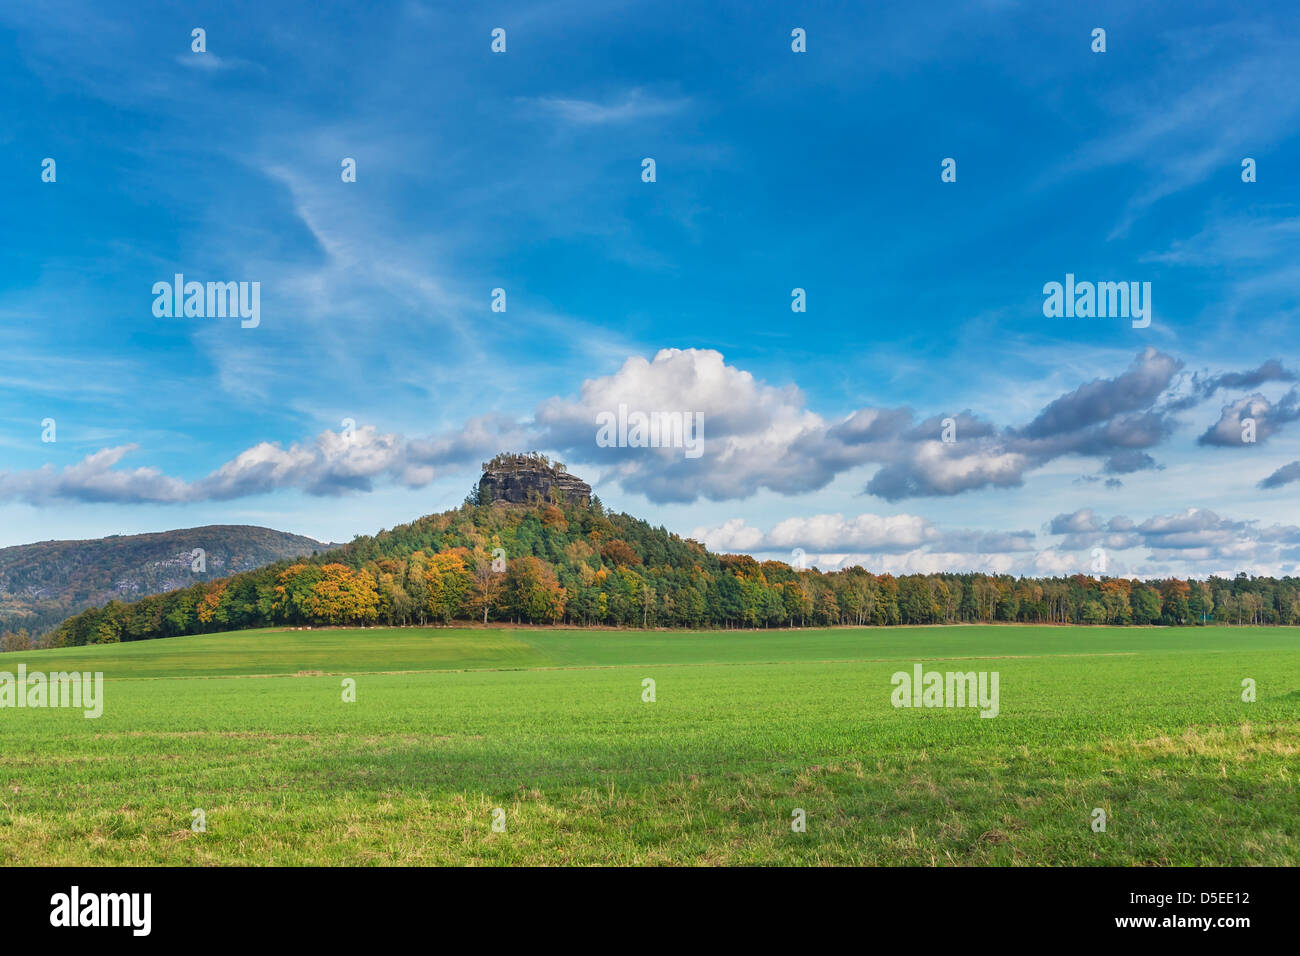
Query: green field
pixel 550 726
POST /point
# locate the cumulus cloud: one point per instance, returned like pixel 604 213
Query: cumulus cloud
pixel 1102 400
pixel 1283 476
pixel 1193 537
pixel 1193 528
pixel 1268 419
pixel 866 532
pixel 1114 419
pixel 1270 371
pixel 1130 460
pixel 334 463
pixel 755 436
pixel 752 431
pixel 93 479
pixel 1083 520
pixel 1203 385
pixel 1195 541
pixel 932 468
pixel 760 436
pixel 732 536
pixel 1084 529
pixel 897 542
pixel 480 438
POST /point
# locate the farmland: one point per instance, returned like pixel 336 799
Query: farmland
pixel 552 727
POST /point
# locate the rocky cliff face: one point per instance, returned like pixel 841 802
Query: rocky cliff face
pixel 520 479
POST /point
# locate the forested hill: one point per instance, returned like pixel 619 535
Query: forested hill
pixel 41 584
pixel 572 562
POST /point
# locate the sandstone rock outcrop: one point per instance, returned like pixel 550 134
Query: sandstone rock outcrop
pixel 522 479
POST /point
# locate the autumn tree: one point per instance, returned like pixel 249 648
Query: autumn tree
pixel 486 585
pixel 341 596
pixel 532 590
pixel 18 640
pixel 619 553
pixel 449 582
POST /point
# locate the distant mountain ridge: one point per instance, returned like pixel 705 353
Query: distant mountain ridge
pixel 45 582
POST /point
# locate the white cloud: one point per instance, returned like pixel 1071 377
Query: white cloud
pixel 635 104
pixel 756 437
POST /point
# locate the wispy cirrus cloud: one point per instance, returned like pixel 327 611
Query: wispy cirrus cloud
pixel 1198 129
pixel 632 105
pixel 208 61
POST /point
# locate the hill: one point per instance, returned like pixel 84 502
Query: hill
pixel 41 584
pixel 564 559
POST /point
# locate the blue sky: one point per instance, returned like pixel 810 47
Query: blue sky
pixel 775 170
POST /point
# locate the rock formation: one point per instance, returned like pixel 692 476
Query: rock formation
pixel 521 479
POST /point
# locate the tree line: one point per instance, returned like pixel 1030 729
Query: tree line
pixel 553 563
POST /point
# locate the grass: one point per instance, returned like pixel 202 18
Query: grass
pixel 549 725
